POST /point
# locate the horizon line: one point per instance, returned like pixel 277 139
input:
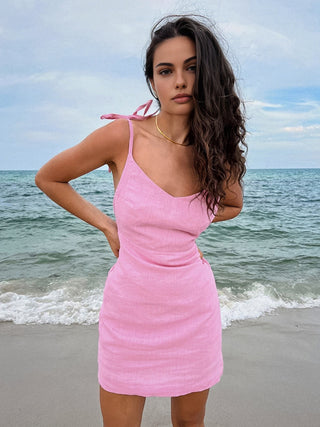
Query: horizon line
pixel 35 170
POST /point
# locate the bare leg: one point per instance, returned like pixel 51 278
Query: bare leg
pixel 189 410
pixel 121 410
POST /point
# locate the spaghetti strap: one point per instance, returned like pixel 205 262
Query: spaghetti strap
pixel 131 137
pixel 134 116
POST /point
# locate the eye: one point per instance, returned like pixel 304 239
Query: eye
pixel 165 72
pixel 192 68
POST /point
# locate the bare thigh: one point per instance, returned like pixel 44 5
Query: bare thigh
pixel 121 410
pixel 189 410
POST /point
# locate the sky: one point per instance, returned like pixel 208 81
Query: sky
pixel 64 64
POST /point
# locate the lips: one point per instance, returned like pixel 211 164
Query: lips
pixel 182 95
pixel 182 98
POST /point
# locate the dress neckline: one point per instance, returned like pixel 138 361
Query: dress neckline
pixel 160 188
pixel 142 172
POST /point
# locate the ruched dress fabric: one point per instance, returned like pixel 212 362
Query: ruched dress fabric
pixel 159 323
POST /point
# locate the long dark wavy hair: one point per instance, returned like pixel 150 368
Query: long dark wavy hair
pixel 217 123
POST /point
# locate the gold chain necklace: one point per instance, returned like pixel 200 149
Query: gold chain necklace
pixel 163 134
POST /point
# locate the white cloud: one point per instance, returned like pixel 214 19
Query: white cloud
pixel 25 79
pixel 279 117
pixel 257 41
pixel 261 104
pixel 286 135
pixel 113 27
pixel 300 129
pixel 72 107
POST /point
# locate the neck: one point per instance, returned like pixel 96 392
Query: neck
pixel 176 127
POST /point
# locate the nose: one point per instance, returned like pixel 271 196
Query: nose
pixel 180 80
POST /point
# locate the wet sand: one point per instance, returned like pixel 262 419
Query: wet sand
pixel 271 375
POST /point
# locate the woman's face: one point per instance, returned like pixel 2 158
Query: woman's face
pixel 174 70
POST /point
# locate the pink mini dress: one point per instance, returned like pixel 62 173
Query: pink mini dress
pixel 160 322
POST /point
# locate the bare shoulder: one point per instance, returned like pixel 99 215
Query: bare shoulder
pixel 116 134
pixel 118 128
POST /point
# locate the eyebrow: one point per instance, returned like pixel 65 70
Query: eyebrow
pixel 168 64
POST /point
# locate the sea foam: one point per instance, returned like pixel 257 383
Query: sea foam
pixel 66 305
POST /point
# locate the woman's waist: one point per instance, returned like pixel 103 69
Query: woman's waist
pixel 137 279
pixel 160 257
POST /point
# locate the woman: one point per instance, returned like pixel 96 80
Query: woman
pixel 174 174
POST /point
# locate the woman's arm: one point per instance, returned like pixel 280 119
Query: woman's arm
pixel 232 202
pixel 100 147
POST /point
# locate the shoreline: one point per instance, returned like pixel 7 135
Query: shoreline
pixel 271 375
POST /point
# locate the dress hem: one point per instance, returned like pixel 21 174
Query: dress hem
pixel 149 393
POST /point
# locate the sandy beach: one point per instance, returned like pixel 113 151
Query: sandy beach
pixel 271 375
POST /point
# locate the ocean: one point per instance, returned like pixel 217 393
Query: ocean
pixel 53 266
